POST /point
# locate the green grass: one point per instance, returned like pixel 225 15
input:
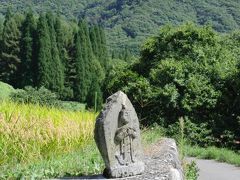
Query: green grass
pixel 84 161
pixel 218 154
pixel 151 135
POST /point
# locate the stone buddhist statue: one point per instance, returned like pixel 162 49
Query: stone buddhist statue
pixel 117 136
pixel 124 138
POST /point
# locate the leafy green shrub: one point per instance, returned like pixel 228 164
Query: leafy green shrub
pixel 44 97
pixel 41 96
pixel 195 134
pixel 5 90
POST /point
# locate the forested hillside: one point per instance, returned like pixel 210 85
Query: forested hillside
pixel 129 22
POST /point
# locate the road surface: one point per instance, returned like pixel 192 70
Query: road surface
pixel 213 170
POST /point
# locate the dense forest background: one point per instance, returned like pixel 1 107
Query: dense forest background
pixel 68 58
pixel 129 22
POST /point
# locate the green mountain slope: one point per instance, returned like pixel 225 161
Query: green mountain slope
pixel 129 22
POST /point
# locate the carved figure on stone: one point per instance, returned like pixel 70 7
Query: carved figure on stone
pixel 124 137
pixel 117 136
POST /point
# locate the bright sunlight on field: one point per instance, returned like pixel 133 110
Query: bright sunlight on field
pixel 31 132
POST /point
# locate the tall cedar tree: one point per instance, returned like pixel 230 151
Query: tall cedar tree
pixel 44 56
pixel 95 96
pixel 99 45
pixel 57 69
pixel 103 46
pixel 9 59
pixel 70 69
pixel 98 51
pixel 80 84
pixel 94 41
pixel 65 58
pixel 84 63
pixel 60 40
pixel 89 55
pixel 27 67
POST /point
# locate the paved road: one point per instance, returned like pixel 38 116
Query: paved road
pixel 212 170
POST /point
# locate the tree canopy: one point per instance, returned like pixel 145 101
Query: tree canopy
pixel 185 71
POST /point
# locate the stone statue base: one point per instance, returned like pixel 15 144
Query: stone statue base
pixel 124 171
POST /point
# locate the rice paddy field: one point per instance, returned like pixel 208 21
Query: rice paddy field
pixel 30 134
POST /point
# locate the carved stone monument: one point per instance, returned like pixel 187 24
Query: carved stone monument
pixel 117 136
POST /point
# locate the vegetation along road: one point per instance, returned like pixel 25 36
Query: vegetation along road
pixel 210 169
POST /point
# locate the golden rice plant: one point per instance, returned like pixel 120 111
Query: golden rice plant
pixel 32 132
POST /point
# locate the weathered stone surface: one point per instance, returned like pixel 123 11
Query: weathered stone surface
pixel 163 160
pixel 117 136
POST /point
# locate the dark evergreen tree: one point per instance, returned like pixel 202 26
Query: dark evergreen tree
pixel 104 49
pixel 57 69
pixel 65 58
pixel 86 71
pixel 99 45
pixel 9 60
pixel 98 53
pixel 60 40
pixel 70 68
pixel 80 81
pixel 27 67
pixel 95 97
pixel 70 77
pixel 94 41
pixel 99 66
pixel 44 56
pixel 88 54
